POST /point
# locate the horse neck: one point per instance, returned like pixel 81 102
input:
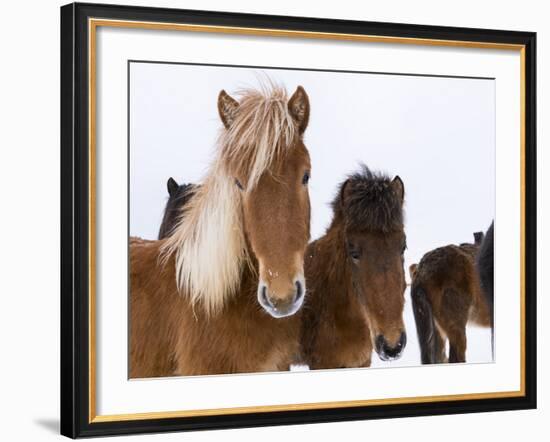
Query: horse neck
pixel 332 261
pixel 169 219
pixel 470 249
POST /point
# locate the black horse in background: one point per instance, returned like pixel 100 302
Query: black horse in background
pixel 486 268
pixel 178 196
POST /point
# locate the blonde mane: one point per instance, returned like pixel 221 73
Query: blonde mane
pixel 209 240
pixel 259 135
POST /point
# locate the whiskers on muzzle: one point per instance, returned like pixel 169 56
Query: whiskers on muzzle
pixel 388 352
pixel 280 307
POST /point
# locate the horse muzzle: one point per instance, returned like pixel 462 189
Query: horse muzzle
pixel 280 307
pixel 388 352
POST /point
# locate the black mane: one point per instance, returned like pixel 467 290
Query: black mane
pixel 368 201
pixel 178 196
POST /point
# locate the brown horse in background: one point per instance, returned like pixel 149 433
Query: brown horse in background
pixel 218 294
pixel 446 295
pixel 355 275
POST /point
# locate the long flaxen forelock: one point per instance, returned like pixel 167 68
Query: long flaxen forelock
pixel 260 135
pixel 209 241
pixel 371 202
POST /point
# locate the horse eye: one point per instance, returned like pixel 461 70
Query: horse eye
pixel 404 247
pixel 354 252
pixel 305 178
pixel 238 183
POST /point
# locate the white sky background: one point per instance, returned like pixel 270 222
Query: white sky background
pixel 437 134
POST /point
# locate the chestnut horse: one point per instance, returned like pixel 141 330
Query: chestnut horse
pixel 178 195
pixel 446 295
pixel 218 295
pixel 356 279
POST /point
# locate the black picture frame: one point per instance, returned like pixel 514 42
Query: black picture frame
pixel 75 194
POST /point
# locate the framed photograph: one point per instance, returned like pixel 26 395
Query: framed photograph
pixel 274 220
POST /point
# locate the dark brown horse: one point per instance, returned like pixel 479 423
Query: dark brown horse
pixel 178 196
pixel 355 276
pixel 486 268
pixel 219 294
pixel 446 295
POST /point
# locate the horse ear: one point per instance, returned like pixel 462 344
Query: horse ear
pixel 227 108
pixel 478 238
pixel 172 186
pixel 412 271
pixel 345 192
pixel 398 187
pixel 298 106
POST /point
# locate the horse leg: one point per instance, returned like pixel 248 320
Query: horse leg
pixel 455 310
pixel 457 346
pixel 439 345
pixel 425 324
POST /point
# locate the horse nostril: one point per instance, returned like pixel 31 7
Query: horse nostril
pixel 402 341
pixel 265 298
pixel 299 291
pixel 380 343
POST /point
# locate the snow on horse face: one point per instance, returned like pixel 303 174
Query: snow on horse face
pixel 270 164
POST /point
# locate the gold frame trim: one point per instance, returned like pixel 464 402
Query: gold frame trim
pixel 93 24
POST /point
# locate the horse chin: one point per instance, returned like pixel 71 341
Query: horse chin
pixel 387 358
pixel 282 312
pixel 277 314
